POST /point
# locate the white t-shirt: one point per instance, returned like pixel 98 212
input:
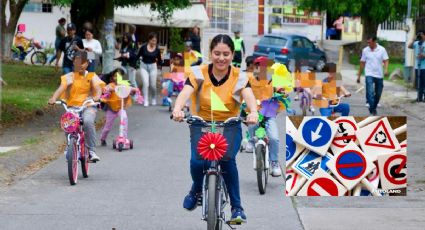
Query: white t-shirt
pixel 374 61
pixel 419 63
pixel 94 44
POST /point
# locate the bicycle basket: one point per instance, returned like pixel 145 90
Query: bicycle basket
pixel 70 122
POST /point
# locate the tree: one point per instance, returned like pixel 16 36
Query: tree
pixel 8 27
pixel 372 12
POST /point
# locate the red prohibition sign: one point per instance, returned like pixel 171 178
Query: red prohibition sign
pixel 402 165
pixel 349 137
pixel 350 170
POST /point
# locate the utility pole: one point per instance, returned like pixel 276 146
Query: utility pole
pixel 407 54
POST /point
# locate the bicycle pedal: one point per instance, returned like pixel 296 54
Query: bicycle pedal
pixel 229 222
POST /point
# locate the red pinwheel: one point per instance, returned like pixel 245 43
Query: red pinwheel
pixel 212 146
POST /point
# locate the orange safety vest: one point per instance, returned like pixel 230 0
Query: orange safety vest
pixel 229 93
pixel 79 87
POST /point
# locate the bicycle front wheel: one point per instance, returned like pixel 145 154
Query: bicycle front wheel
pixel 211 201
pixel 72 158
pixel 38 58
pixel 260 153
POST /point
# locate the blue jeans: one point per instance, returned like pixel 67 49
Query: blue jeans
pixel 374 88
pixel 233 135
pixel 273 135
pixel 420 84
pixel 67 69
pixel 342 108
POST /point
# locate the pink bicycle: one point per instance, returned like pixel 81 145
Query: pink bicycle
pixel 72 124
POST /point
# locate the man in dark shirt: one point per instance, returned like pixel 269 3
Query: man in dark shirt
pixel 69 45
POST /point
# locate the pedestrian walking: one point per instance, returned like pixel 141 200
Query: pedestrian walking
pixel 129 58
pixel 151 55
pixel 69 45
pixel 373 57
pixel 60 34
pixel 94 49
pixel 195 38
pixel 239 49
pixel 419 48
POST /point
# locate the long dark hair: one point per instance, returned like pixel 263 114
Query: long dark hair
pixel 222 38
pixel 129 40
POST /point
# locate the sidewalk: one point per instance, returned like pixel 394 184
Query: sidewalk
pixel 402 212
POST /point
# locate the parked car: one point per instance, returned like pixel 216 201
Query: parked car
pixel 289 48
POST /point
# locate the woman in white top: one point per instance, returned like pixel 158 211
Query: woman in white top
pixel 93 47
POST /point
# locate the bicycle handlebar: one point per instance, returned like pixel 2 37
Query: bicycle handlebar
pixel 193 118
pixel 78 109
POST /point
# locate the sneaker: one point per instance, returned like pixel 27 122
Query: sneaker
pixel 275 169
pixel 249 147
pixel 312 109
pixel 102 142
pixel 153 102
pixel 367 105
pixel 146 103
pixel 238 215
pixel 190 201
pixel 93 156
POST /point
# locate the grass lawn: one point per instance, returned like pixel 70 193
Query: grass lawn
pixel 29 88
pixel 394 64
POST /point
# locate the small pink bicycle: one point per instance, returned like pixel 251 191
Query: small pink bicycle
pixel 72 124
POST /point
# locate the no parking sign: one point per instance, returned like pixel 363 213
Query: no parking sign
pixel 293 149
pixel 322 184
pixel 316 134
pixel 350 166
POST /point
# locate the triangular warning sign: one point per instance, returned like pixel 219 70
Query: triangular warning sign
pixel 380 137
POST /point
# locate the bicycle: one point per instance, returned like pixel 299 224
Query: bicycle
pixel 215 196
pixel 261 142
pixel 72 124
pixel 38 57
pixel 333 103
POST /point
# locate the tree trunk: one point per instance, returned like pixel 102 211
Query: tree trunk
pixel 8 29
pixel 370 28
pixel 107 32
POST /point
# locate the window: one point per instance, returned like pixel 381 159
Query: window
pixel 308 44
pixel 274 41
pixel 297 43
pixel 36 7
pixel 47 8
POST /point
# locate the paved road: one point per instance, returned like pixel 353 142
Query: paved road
pixel 138 189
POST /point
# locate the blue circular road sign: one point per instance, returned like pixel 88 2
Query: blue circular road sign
pixel 316 132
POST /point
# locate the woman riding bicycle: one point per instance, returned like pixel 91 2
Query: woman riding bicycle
pixel 231 86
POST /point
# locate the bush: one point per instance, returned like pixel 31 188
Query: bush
pixel 176 40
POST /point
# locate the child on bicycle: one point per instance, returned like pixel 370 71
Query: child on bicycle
pixel 75 88
pixel 298 89
pixel 171 84
pixel 343 108
pixel 21 43
pixel 263 90
pixel 113 105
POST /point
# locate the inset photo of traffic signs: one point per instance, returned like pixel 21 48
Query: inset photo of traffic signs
pixel 346 156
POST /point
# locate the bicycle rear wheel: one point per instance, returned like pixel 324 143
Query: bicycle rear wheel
pixel 85 166
pixel 72 157
pixel 38 58
pixel 262 175
pixel 212 221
